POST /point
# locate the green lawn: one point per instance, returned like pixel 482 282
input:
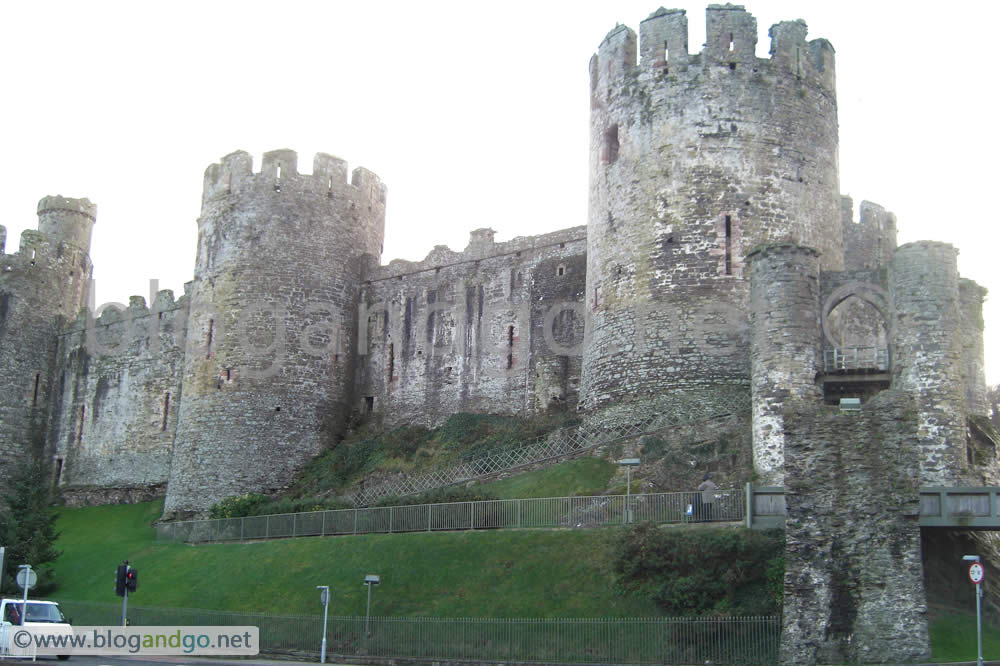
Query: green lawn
pixel 953 638
pixel 509 573
pixel 583 476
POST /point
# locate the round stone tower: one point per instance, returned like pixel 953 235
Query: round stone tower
pixel 270 351
pixel 927 354
pixel 42 286
pixel 784 346
pixel 694 161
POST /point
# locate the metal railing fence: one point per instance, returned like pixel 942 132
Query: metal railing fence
pixel 589 511
pixel 649 640
pixel 672 411
pixel 856 358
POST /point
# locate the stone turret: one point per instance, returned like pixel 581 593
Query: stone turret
pixel 269 369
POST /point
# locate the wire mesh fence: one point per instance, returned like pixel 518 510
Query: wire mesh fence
pixel 656 640
pixel 672 411
pixel 577 512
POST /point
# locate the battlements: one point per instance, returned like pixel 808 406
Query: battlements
pixel 481 246
pixel 731 42
pixel 279 170
pixel 38 249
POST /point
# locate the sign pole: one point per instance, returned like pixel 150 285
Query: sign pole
pixel 979 623
pixel 2 551
pixel 26 569
pixel 125 598
pixel 976 574
pixel 324 598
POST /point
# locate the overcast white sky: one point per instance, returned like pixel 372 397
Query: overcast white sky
pixel 473 114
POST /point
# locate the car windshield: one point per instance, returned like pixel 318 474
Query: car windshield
pixel 43 613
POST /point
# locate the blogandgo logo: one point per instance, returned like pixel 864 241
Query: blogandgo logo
pixel 136 641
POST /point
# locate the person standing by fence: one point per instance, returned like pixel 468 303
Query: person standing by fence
pixel 707 489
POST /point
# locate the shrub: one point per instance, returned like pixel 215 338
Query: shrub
pixel 711 571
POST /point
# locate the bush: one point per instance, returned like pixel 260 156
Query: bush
pixel 238 506
pixel 252 504
pixel 711 571
pixel 438 496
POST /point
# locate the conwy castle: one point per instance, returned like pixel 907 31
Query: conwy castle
pixel 719 261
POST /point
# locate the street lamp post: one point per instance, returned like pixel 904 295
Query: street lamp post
pixel 976 572
pixel 370 579
pixel 628 464
pixel 324 598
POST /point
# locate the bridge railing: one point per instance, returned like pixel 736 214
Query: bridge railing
pixel 956 507
pixel 872 359
pixel 567 512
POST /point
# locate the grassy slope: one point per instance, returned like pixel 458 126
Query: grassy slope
pixel 583 476
pixel 509 573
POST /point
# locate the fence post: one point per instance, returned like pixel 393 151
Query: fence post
pixel 749 505
pixel 243 521
pixel 322 525
pixel 390 520
pixel 267 527
pixel 294 521
pixel 519 512
pixel 355 520
pixel 429 517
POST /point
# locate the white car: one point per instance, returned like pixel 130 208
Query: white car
pixel 41 616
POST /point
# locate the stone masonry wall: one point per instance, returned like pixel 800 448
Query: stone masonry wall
pixel 114 411
pixel 853 577
pixel 685 180
pixel 870 242
pixel 496 328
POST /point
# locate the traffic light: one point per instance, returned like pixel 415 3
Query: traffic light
pixel 120 579
pixel 131 579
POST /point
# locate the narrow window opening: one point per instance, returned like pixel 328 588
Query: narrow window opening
pixel 208 344
pixel 510 347
pixel 229 374
pixel 278 173
pixel 277 179
pixel 277 409
pixel 34 398
pixel 392 361
pixel 369 404
pixel 729 245
pixel 732 66
pixel 79 425
pixel 597 296
pixel 166 410
pixel 732 43
pixel 58 474
pixel 611 145
pixel 666 57
pixel 561 271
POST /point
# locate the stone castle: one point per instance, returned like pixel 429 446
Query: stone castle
pixel 719 260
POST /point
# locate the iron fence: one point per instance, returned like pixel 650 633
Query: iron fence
pixel 672 411
pixel 581 512
pixel 651 640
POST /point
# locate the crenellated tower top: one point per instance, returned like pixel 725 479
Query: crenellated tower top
pixel 731 42
pixel 279 172
pixel 66 220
